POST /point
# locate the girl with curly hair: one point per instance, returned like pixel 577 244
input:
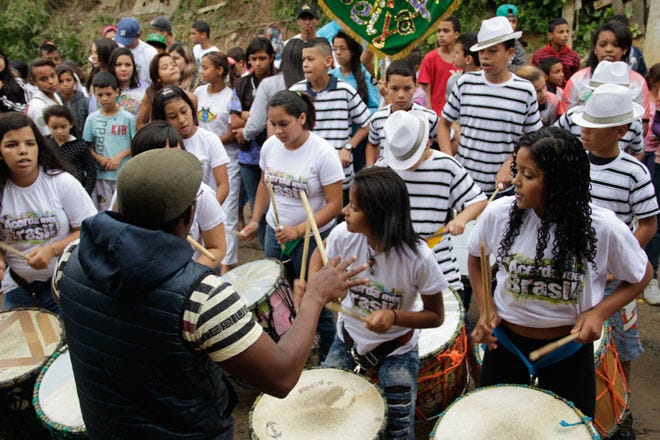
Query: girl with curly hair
pixel 554 252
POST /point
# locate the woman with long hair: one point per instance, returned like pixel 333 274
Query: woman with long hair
pixel 185 59
pixel 131 92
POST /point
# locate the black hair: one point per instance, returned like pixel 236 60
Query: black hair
pixel 291 62
pixel 166 95
pixel 623 39
pixel 566 182
pixel 58 111
pixel 455 22
pixel 219 59
pixel 321 44
pixel 621 18
pixel 467 40
pixel 415 57
pixel 653 76
pixel 202 27
pixel 258 44
pixel 155 135
pixel 105 79
pixel 46 157
pixel 355 49
pixel 21 67
pixel 400 67
pixel 295 104
pixel 10 86
pixel 546 64
pixel 377 190
pixel 39 62
pixel 124 51
pixel 509 44
pixel 47 47
pixel 236 53
pixel 552 24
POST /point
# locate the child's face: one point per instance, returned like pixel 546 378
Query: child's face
pixel 541 93
pixel 460 60
pixel 286 127
pixel 556 74
pixel 601 141
pixel 168 72
pixel 124 69
pixel 19 151
pixel 67 85
pixel 355 218
pixel 209 72
pixel 315 65
pixel 560 35
pixel 400 90
pixel 513 21
pixel 196 37
pixel 45 78
pixel 528 182
pixel 60 127
pixel 607 47
pixel 494 59
pixel 260 62
pixel 179 115
pixel 446 34
pixel 107 97
pixel 342 53
pixel 54 56
pixel 179 60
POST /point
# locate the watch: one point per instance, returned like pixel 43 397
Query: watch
pixel 348 147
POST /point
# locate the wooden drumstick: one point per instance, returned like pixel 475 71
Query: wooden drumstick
pixel 537 354
pixel 485 279
pixel 303 264
pixel 337 308
pixel 497 189
pixel 271 193
pixel 5 247
pixel 202 250
pixel 317 235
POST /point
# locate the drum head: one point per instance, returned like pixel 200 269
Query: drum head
pixel 255 280
pixel 512 412
pixel 433 340
pixel 29 337
pixel 326 403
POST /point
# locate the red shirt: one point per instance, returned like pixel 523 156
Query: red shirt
pixel 569 58
pixel 435 72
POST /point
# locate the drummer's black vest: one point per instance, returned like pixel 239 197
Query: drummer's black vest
pixel 136 376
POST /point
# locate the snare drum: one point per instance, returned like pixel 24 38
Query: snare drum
pixel 326 403
pixel 442 368
pixel 513 412
pixel 29 336
pixel 56 399
pixel 267 293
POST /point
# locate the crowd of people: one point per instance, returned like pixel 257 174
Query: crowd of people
pixel 393 163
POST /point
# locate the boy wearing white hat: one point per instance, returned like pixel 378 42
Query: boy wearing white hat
pixel 494 108
pixel 622 184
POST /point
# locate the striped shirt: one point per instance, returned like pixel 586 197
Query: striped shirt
pixel 337 107
pixel 570 60
pixel 632 142
pixel 437 186
pixel 492 118
pixel 377 121
pixel 624 186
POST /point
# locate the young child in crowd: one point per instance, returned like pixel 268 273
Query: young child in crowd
pixel 42 75
pixel 72 98
pixel 464 59
pixel 549 104
pixel 553 70
pixel 109 131
pixel 71 149
pixel 419 97
pixel 559 34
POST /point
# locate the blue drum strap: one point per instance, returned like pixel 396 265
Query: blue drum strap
pixel 549 359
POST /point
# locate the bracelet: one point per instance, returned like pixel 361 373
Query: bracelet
pixel 395 317
pixel 54 249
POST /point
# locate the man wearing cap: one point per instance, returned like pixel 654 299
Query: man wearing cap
pixel 150 331
pixel 163 26
pixel 308 18
pixel 511 13
pixel 128 35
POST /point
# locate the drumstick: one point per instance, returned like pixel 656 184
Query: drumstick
pixel 336 308
pixel 536 354
pixel 202 250
pixel 234 233
pixel 4 246
pixel 497 189
pixel 485 279
pixel 303 264
pixel 317 235
pixel 272 198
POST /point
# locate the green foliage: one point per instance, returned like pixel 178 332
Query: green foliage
pixel 22 25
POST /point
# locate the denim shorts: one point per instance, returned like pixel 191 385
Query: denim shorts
pixel 624 330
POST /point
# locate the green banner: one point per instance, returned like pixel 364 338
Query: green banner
pixel 390 27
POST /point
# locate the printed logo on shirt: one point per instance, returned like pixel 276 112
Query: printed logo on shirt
pixel 527 281
pixel 31 227
pixel 285 184
pixel 375 296
pixel 128 103
pixel 206 115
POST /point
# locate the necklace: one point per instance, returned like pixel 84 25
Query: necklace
pixel 372 260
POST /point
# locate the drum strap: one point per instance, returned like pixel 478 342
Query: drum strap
pixel 549 359
pixel 371 361
pixel 35 287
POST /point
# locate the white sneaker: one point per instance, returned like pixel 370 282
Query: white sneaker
pixel 652 293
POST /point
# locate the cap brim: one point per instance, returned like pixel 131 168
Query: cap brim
pixel 481 46
pixel 578 118
pixel 124 41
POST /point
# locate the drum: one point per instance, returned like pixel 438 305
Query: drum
pixel 459 243
pixel 29 336
pixel 326 403
pixel 442 367
pixel 267 293
pixel 512 412
pixel 55 398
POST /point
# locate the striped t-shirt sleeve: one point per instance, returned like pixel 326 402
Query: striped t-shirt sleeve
pixel 217 321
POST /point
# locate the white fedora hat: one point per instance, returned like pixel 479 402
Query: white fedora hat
pixel 494 31
pixel 406 136
pixel 610 105
pixel 608 72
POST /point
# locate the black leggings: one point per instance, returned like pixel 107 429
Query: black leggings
pixel 572 378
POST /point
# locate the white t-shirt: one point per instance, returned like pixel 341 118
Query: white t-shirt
pixel 41 213
pixel 36 107
pixel 310 167
pixel 208 148
pixel 208 214
pixel 213 112
pixel 398 281
pixel 199 53
pixel 544 301
pixel 143 53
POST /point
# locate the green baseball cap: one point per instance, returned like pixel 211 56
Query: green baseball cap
pixel 157 186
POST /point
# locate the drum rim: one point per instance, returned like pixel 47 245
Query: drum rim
pixel 49 423
pixel 381 430
pixel 586 421
pixel 266 294
pixel 31 372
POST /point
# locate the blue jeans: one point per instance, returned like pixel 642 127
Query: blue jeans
pixel 397 377
pixel 272 249
pixel 627 342
pixel 19 297
pixel 250 176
